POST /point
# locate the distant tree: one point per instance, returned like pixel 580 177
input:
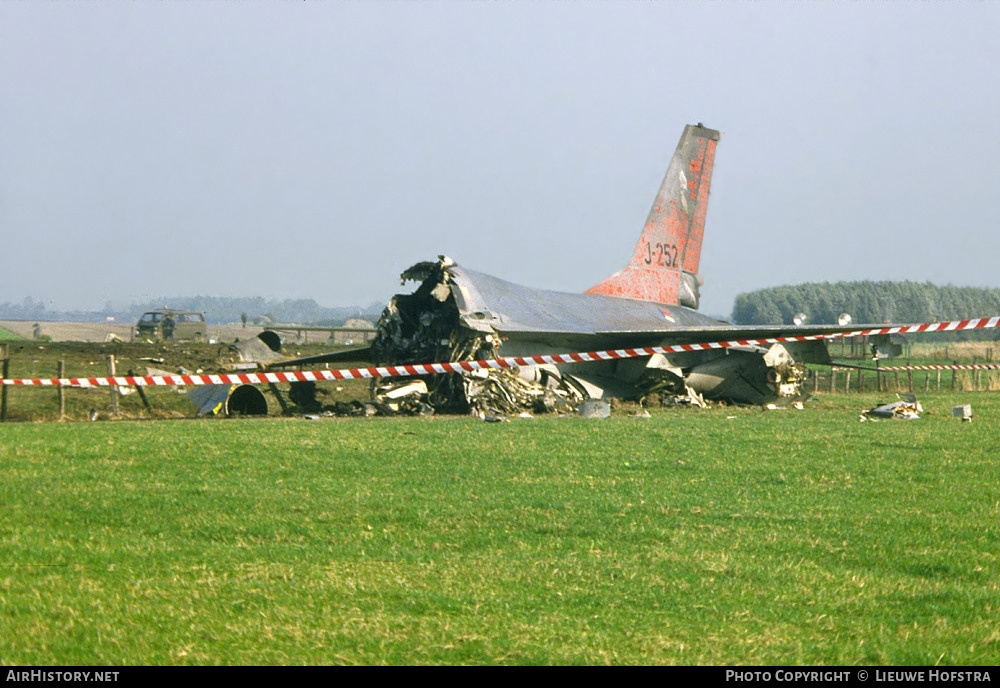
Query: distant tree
pixel 869 302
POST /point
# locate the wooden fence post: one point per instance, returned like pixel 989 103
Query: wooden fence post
pixel 62 391
pixel 114 388
pixel 3 392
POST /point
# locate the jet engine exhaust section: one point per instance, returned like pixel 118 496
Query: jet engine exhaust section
pixel 752 375
pixel 228 400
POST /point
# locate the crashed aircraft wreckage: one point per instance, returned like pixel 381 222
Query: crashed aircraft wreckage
pixel 456 314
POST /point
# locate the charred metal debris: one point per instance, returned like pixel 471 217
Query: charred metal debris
pixel 907 408
pixel 427 325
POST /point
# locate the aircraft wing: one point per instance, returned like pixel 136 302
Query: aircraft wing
pixel 729 332
pixel 575 341
pixel 361 353
pixel 569 322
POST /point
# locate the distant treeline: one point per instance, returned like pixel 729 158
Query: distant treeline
pixel 868 302
pixel 217 309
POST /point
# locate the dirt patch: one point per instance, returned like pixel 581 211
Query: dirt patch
pixel 96 332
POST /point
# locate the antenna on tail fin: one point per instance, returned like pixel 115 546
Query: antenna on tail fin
pixel 664 265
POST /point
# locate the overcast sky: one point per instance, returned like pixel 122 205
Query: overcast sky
pixel 317 149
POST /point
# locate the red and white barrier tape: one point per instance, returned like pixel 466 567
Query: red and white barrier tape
pixel 954 366
pixel 471 366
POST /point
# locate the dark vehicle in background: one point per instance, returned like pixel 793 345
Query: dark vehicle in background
pixel 165 324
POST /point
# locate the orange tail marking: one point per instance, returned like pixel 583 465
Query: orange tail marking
pixel 670 243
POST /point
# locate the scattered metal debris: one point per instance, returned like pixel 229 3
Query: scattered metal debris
pixel 907 408
pixel 260 349
pixel 594 408
pixel 663 384
pixel 409 397
pixel 963 411
pixel 209 399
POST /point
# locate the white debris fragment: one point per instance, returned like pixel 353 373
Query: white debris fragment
pixel 594 408
pixel 963 411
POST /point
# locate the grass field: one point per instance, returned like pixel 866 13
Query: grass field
pixel 32 359
pixel 718 536
pixel 7 335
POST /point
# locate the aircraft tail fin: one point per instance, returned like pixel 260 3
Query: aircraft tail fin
pixel 664 265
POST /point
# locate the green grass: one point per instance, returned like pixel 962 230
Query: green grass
pixel 724 536
pixel 8 336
